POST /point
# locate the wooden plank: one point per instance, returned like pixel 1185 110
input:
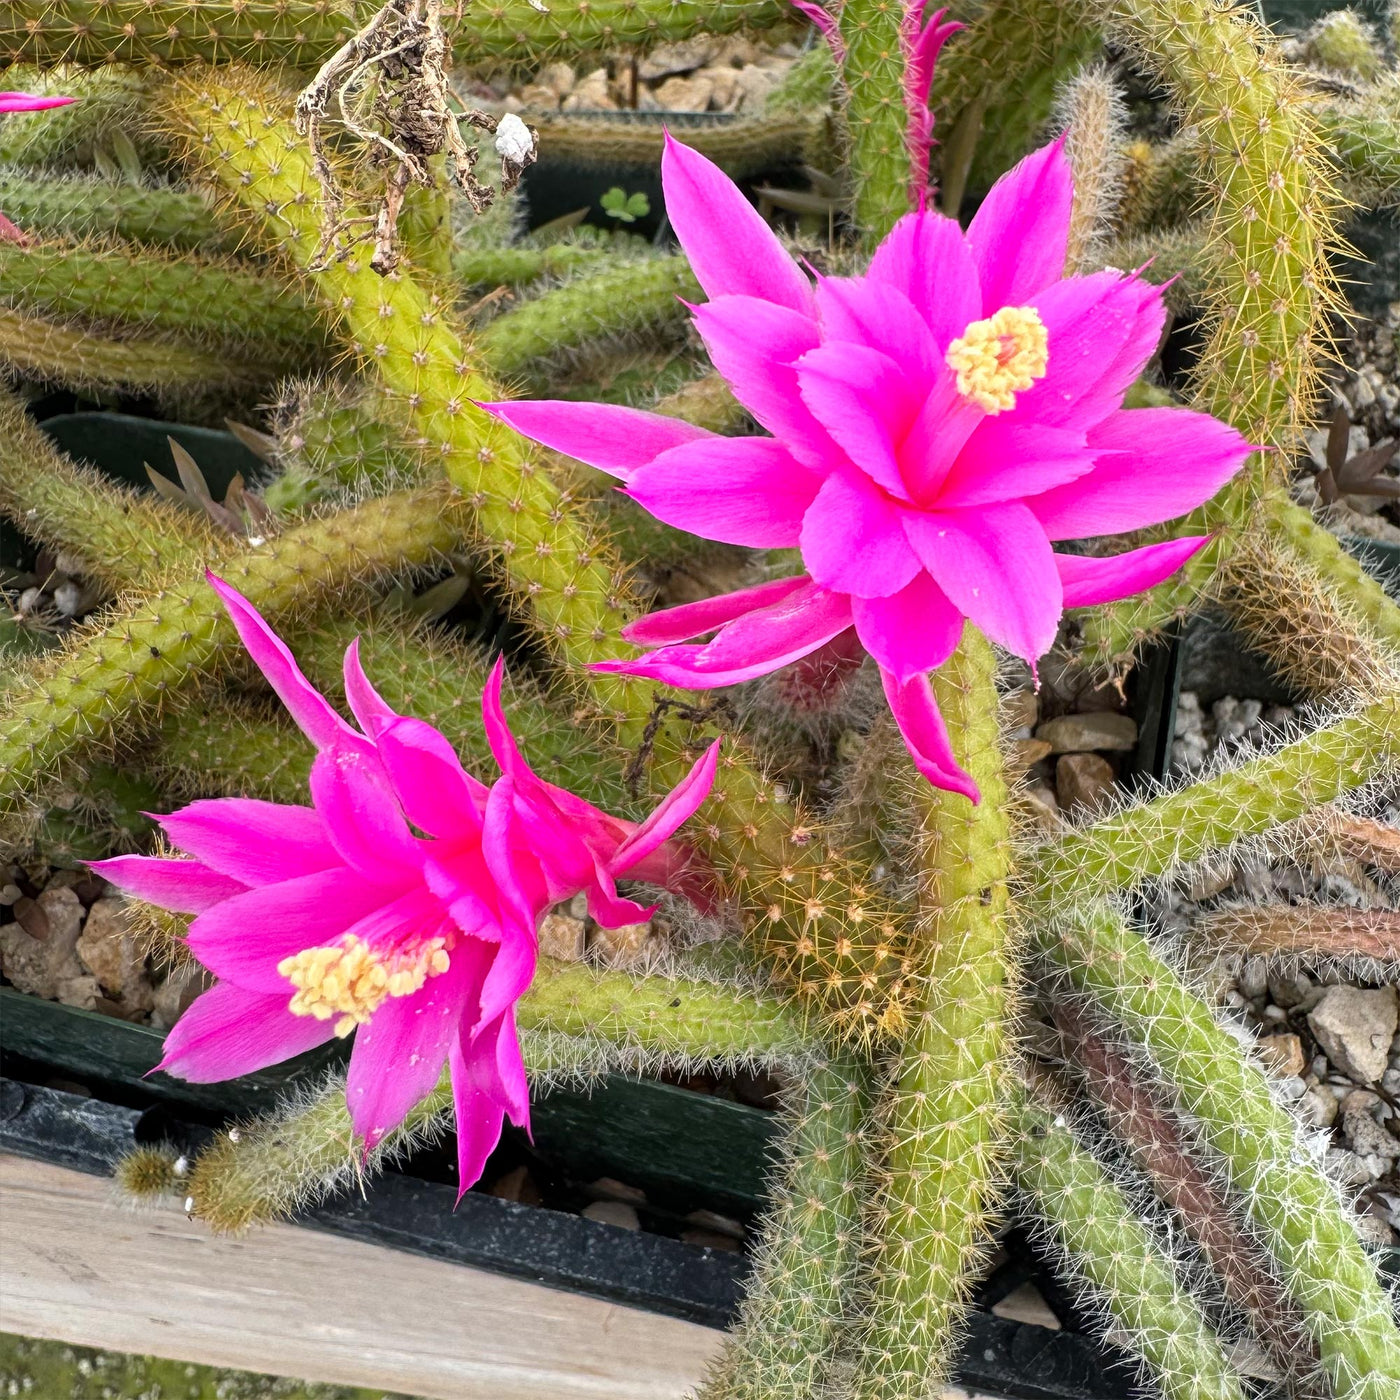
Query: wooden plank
pixel 79 1267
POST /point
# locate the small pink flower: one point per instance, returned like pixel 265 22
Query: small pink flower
pixel 936 424
pixel 400 905
pixel 26 102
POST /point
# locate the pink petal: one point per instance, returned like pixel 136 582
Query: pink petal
pixel 436 793
pixel 256 843
pixel 504 749
pixel 488 1081
pixel 1019 234
pixel 614 439
pixel 750 646
pixel 1156 464
pixel 754 345
pixel 731 250
pixel 610 909
pixel 228 1032
pixel 510 974
pixel 186 886
pixel 867 402
pixel 306 705
pixel 927 258
pixel 695 619
pixel 370 709
pixel 866 311
pixel 1006 459
pixel 1088 582
pixel 1101 330
pixel 499 851
pixel 399 1055
pixel 853 539
pixel 242 939
pixel 996 566
pixel 25 102
pixel 682 802
pixel 911 632
pixel 748 491
pixel 945 422
pixel 362 814
pixel 916 713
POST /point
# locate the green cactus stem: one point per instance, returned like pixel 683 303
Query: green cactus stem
pixel 214 306
pixel 1245 1272
pixel 110 114
pixel 86 207
pixel 1363 137
pixel 304 33
pixel 609 305
pixel 943 1118
pixel 518 267
pixel 708 402
pixel 1154 838
pixel 795 1314
pixel 81 359
pixel 75 701
pixel 814 916
pixel 1294 1209
pixel 1104 1245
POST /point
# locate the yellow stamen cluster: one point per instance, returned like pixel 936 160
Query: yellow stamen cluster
pixel 349 979
pixel 997 358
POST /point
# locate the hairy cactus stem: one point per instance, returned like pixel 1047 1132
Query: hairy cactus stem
pixel 130 667
pixel 1104 1244
pixel 943 1116
pixel 1157 1145
pixel 517 267
pixel 1294 1208
pixel 1153 838
pixel 1313 932
pixel 813 916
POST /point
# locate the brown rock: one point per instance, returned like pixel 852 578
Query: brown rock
pixel 609 1188
pixel 716 1223
pixel 516 1185
pixel 724 88
pixel 1365 1134
pixel 1283 1054
pixel 1084 782
pixel 613 1213
pixel 755 84
pixel 82 991
pixel 1020 709
pixel 591 94
pixel 1355 1028
pixel 1041 809
pixel 538 97
pixel 173 997
pixel 712 1239
pixel 563 937
pixel 1102 731
pixel 627 946
pixel 39 952
pixel 1021 753
pixel 559 78
pixel 690 94
pixel 683 57
pixel 109 952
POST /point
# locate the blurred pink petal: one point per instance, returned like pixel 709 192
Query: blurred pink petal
pixel 921 723
pixel 186 886
pixel 1108 578
pixel 695 619
pixel 26 102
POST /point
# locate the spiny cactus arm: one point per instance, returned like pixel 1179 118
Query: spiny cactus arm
pixel 813 913
pixel 1321 933
pixel 106 676
pixel 1092 115
pixel 1155 1140
pixel 1102 1244
pixel 943 1117
pixel 517 267
pixel 212 305
pixel 1294 1208
pixel 110 101
pixel 1150 839
pixel 708 402
pixel 128 539
pixel 1363 137
pixel 304 33
pixel 305 1150
pixel 617 302
pixel 81 359
pixel 78 207
pixel 795 1314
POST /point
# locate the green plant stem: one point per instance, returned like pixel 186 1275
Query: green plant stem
pixel 872 77
pixel 1153 838
pixel 1293 1207
pixel 517 267
pixel 943 1118
pixel 1106 1246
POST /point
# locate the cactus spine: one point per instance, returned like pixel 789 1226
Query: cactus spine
pixel 943 1116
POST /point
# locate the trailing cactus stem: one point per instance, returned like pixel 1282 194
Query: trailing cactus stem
pixel 872 76
pixel 814 914
pixel 794 1316
pixel 1295 1210
pixel 943 1119
pixel 134 664
pixel 1094 116
pixel 1153 838
pixel 1104 1245
pixel 304 33
pixel 517 267
pixel 623 300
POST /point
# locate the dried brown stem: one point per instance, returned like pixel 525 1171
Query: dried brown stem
pixel 1306 930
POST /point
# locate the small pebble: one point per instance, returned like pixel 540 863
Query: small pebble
pixel 617 1213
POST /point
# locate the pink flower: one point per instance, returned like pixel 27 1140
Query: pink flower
pixel 26 102
pixel 936 424
pixel 401 904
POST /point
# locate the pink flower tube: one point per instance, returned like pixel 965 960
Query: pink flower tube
pixel 401 905
pixel 937 425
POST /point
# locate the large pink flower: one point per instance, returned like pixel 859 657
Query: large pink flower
pixel 936 424
pixel 401 905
